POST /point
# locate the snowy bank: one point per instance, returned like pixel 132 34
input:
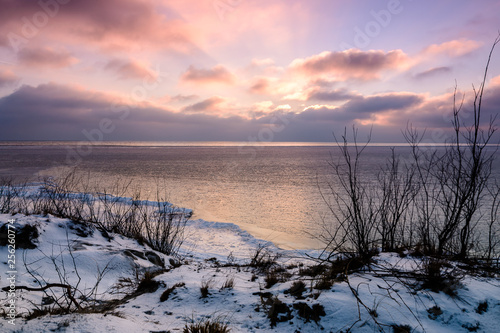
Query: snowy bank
pixel 218 256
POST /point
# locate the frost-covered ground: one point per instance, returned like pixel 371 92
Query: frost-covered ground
pixel 215 254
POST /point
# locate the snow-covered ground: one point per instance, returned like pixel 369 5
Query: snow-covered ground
pixel 214 254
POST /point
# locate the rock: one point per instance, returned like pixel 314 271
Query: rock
pixel 155 259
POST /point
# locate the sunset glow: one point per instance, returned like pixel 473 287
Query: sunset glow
pixel 224 70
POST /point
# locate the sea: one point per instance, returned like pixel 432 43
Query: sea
pixel 276 191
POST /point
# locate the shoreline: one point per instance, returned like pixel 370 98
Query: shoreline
pixel 281 239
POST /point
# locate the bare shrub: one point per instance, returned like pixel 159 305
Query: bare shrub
pixel 148 284
pixel 275 275
pixel 398 189
pixel 206 285
pixel 277 311
pixel 262 258
pixel 296 290
pixel 308 313
pixel 228 284
pixel 355 207
pixel 437 195
pixel 66 294
pixel 207 326
pixel 166 294
pixel 438 275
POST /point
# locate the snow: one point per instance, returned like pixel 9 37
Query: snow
pixel 212 253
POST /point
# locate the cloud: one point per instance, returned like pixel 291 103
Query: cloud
pixel 4 41
pixel 321 94
pixel 495 81
pixel 111 24
pixel 46 57
pixel 56 112
pixel 217 74
pixel 361 108
pixel 322 113
pixel 382 103
pixel 329 95
pixel 179 98
pixel 274 86
pixel 351 64
pixel 432 72
pixel 7 78
pixel 260 86
pixel 129 69
pixel 51 99
pixel 262 62
pixel 207 105
pixel 453 48
pixel 322 82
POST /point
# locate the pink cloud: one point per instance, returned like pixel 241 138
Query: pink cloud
pixel 495 81
pixel 46 57
pixel 209 105
pixel 454 48
pixel 129 69
pixel 110 25
pixel 7 78
pixel 260 86
pixel 217 74
pixel 179 98
pixel 351 64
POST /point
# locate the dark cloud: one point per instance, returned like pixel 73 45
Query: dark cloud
pixel 382 103
pixel 433 71
pixel 217 74
pixel 129 69
pixel 353 63
pixel 56 112
pixel 361 108
pixel 45 57
pixel 322 83
pixel 330 95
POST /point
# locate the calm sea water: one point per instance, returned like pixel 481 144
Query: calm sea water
pixel 273 187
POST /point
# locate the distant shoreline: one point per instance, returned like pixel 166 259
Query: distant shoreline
pixel 197 144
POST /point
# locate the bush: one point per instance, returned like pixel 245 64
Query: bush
pixel 205 286
pixel 166 294
pixel 228 284
pixel 434 312
pixel 147 284
pixel 312 271
pixel 207 326
pixel 324 283
pixel 296 290
pixel 26 236
pixel 437 277
pixel 263 259
pixel 401 328
pixel 277 311
pixel 482 307
pixel 310 313
pixel 275 275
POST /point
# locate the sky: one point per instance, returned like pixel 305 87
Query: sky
pixel 242 70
